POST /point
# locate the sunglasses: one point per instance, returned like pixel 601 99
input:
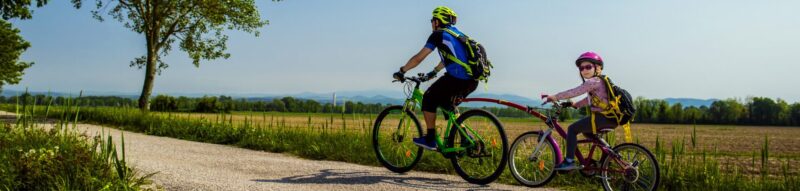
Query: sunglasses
pixel 587 67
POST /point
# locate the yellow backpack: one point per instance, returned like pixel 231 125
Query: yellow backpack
pixel 619 107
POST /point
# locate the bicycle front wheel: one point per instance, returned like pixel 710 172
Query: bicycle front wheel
pixel 633 168
pixel 485 147
pixel 392 137
pixel 529 168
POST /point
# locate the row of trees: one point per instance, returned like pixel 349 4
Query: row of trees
pixel 208 104
pixel 113 101
pixel 285 104
pixel 754 111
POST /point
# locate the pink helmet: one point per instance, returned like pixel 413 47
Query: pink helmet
pixel 590 57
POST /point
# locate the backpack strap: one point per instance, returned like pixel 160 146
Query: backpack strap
pixel 452 57
pixel 616 110
pixel 463 38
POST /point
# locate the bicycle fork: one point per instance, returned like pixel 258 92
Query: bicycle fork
pixel 542 138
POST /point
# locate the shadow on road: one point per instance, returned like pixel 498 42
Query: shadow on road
pixel 342 176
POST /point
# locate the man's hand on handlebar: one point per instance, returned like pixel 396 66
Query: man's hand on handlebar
pixel 399 75
pixel 431 74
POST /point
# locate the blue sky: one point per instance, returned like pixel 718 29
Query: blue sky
pixel 655 49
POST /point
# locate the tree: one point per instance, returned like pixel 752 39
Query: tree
pixel 675 114
pixel 663 107
pixel 11 47
pixel 164 22
pixel 764 111
pixel 278 105
pixel 794 111
pixel 208 105
pixel 784 112
pixel 11 44
pixel 165 103
pixel 21 8
pixel 726 111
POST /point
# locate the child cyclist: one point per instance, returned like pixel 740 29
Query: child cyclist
pixel 590 66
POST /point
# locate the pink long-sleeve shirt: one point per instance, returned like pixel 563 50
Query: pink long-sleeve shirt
pixel 595 86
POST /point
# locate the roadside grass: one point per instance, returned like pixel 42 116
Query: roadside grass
pixel 35 156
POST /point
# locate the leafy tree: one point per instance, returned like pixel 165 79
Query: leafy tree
pixel 278 105
pixel 11 44
pixel 290 104
pixel 11 47
pixel 763 111
pixel 675 113
pixel 165 103
pixel 726 111
pixel 784 113
pixel 208 105
pixel 187 22
pixel 794 113
pixel 21 8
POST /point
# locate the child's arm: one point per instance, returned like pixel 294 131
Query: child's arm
pixel 581 103
pixel 587 86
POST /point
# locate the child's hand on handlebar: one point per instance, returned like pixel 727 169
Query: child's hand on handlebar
pixel 566 104
pixel 548 98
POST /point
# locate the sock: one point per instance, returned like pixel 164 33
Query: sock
pixel 431 134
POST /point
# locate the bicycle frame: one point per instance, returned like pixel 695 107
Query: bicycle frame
pixel 605 148
pixel 415 100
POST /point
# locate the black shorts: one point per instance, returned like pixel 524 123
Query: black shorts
pixel 444 92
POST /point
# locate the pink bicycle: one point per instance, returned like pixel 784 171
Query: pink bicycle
pixel 534 155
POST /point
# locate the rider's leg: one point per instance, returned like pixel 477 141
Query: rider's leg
pixel 430 122
pixel 572 142
pixel 580 126
pixel 431 100
pixel 442 93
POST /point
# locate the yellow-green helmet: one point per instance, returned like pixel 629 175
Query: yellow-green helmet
pixel 445 15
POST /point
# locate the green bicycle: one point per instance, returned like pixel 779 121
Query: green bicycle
pixel 475 141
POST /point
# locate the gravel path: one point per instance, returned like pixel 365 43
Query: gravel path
pixel 187 165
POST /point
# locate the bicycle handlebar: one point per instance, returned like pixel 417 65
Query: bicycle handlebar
pixel 556 106
pixel 421 77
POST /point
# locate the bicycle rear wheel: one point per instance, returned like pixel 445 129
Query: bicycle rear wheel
pixel 392 139
pixel 484 160
pixel 532 169
pixel 635 168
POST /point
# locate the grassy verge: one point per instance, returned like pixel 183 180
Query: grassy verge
pixel 680 170
pixel 33 157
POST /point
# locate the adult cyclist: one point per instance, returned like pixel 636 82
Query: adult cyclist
pixel 456 82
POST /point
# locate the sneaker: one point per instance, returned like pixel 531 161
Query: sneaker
pixel 425 143
pixel 567 165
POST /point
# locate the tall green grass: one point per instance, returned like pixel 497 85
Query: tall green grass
pixel 680 170
pixel 34 157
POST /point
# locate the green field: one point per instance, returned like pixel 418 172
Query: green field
pixel 719 158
